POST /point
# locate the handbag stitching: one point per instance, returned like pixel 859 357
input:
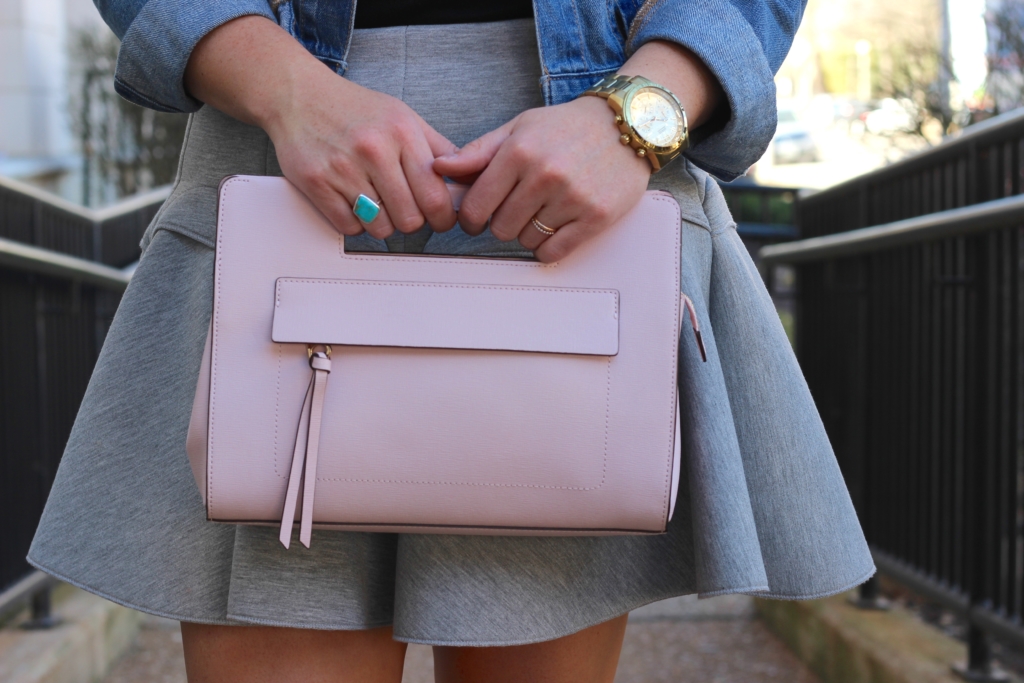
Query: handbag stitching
pixel 656 197
pixel 438 285
pixel 604 461
pixel 277 406
pixel 213 351
pixel 666 500
pixel 371 283
pixel 462 261
pixel 604 464
pixel 614 314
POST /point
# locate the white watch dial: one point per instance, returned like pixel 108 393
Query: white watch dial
pixel 655 117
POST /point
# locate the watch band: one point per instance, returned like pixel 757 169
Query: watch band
pixel 609 85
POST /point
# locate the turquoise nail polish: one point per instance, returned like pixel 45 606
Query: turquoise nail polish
pixel 365 209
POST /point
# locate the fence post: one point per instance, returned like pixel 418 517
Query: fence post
pixel 980 665
pixel 869 596
pixel 982 541
pixel 42 611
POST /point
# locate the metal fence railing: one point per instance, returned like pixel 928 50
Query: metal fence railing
pixel 986 162
pixel 60 283
pixel 763 213
pixel 911 336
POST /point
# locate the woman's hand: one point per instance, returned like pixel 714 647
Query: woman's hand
pixel 334 139
pixel 564 165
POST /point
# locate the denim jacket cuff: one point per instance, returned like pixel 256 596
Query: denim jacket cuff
pixel 739 132
pixel 155 49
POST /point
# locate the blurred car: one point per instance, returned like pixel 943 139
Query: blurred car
pixel 849 110
pixel 892 116
pixel 850 113
pixel 793 142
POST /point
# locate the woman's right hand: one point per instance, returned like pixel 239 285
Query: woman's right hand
pixel 334 139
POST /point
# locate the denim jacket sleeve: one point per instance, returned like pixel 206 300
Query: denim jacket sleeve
pixel 743 42
pixel 156 44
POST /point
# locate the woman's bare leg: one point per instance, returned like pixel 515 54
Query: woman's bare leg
pixel 264 654
pixel 589 656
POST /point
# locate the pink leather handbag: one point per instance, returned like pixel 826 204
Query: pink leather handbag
pixel 425 394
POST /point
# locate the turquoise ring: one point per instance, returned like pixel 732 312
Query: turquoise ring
pixel 365 209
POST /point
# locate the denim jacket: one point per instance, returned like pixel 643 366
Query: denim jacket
pixel 743 42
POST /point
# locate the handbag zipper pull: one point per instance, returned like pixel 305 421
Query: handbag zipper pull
pixel 307 449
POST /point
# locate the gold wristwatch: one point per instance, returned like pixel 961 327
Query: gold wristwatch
pixel 649 116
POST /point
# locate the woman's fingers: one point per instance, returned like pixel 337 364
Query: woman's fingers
pixel 492 189
pixel 381 226
pixel 439 144
pixel 565 158
pixel 563 242
pixel 390 181
pixel 531 236
pixel 485 196
pixel 427 187
pixel 343 140
pixel 334 205
pixel 475 156
pixel 513 217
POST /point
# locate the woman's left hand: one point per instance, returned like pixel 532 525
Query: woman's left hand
pixel 563 165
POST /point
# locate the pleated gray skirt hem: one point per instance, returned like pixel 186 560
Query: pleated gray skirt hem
pixel 595 619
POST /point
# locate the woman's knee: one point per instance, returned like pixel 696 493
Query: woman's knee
pixel 588 656
pixel 254 654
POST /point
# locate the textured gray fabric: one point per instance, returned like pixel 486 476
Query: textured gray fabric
pixel 762 506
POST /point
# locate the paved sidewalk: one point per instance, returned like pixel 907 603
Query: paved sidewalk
pixel 711 641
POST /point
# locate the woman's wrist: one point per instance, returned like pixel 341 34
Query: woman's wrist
pixel 597 114
pixel 252 70
pixel 681 71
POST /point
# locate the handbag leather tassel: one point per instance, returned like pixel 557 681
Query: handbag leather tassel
pixel 304 457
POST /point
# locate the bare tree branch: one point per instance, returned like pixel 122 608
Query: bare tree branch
pixel 126 149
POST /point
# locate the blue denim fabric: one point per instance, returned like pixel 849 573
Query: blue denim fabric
pixel 743 42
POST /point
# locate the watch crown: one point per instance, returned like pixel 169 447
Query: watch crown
pixel 624 138
pixel 618 119
pixel 641 152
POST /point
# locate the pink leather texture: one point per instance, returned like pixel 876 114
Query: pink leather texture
pixel 447 316
pixel 465 395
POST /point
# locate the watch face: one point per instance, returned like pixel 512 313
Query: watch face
pixel 655 117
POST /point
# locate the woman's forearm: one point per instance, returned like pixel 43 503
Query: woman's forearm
pixel 682 72
pixel 252 70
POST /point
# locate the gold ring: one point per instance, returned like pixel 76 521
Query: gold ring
pixel 543 228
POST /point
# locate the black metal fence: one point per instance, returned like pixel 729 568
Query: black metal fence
pixel 986 162
pixel 911 336
pixel 763 213
pixel 58 293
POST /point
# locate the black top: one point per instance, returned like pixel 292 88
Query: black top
pixel 380 13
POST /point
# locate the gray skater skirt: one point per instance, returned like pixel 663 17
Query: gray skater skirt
pixel 762 507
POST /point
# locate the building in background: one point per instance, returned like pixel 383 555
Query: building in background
pixel 868 82
pixel 62 126
pixel 36 140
